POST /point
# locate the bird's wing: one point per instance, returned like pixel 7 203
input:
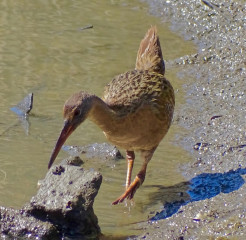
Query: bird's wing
pixel 128 91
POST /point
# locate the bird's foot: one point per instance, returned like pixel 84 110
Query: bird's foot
pixel 130 191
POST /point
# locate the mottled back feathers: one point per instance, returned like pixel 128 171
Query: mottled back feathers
pixel 130 90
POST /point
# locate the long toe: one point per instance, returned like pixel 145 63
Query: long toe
pixel 120 199
pixel 129 193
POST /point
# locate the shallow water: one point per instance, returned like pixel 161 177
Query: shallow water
pixel 43 50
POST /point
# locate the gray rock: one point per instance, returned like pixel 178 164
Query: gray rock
pixel 65 198
pixel 100 155
pixel 24 106
pixel 72 160
pixel 18 224
pixel 102 151
pixel 62 207
pixel 22 109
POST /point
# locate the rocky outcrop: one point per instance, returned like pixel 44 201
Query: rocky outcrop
pixel 62 207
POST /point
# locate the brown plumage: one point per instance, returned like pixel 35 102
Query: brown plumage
pixel 149 55
pixel 135 113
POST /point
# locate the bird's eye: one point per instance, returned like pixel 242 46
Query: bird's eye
pixel 76 112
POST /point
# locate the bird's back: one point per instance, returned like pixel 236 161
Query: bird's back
pixel 129 91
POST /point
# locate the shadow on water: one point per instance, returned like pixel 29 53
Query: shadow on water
pixel 201 187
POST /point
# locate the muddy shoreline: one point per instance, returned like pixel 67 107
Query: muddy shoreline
pixel 214 116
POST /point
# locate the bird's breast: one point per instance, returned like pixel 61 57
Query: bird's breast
pixel 141 130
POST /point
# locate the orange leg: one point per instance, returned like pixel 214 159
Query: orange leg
pixel 130 156
pixel 139 179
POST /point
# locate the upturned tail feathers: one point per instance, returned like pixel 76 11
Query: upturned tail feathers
pixel 149 55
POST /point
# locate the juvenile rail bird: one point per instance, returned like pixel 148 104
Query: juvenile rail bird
pixel 135 112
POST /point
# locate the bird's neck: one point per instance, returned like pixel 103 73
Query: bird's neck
pixel 102 115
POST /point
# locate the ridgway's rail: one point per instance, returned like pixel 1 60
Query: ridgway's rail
pixel 135 112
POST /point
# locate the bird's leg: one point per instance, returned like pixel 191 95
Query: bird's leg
pixel 130 156
pixel 139 179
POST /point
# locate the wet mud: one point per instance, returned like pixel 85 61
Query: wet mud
pixel 211 204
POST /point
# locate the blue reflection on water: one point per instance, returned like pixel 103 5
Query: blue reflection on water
pixel 18 111
pixel 203 186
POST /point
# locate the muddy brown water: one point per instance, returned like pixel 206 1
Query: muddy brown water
pixel 43 50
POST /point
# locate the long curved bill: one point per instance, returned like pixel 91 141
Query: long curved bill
pixel 68 128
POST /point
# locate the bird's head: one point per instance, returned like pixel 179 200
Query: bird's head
pixel 76 110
